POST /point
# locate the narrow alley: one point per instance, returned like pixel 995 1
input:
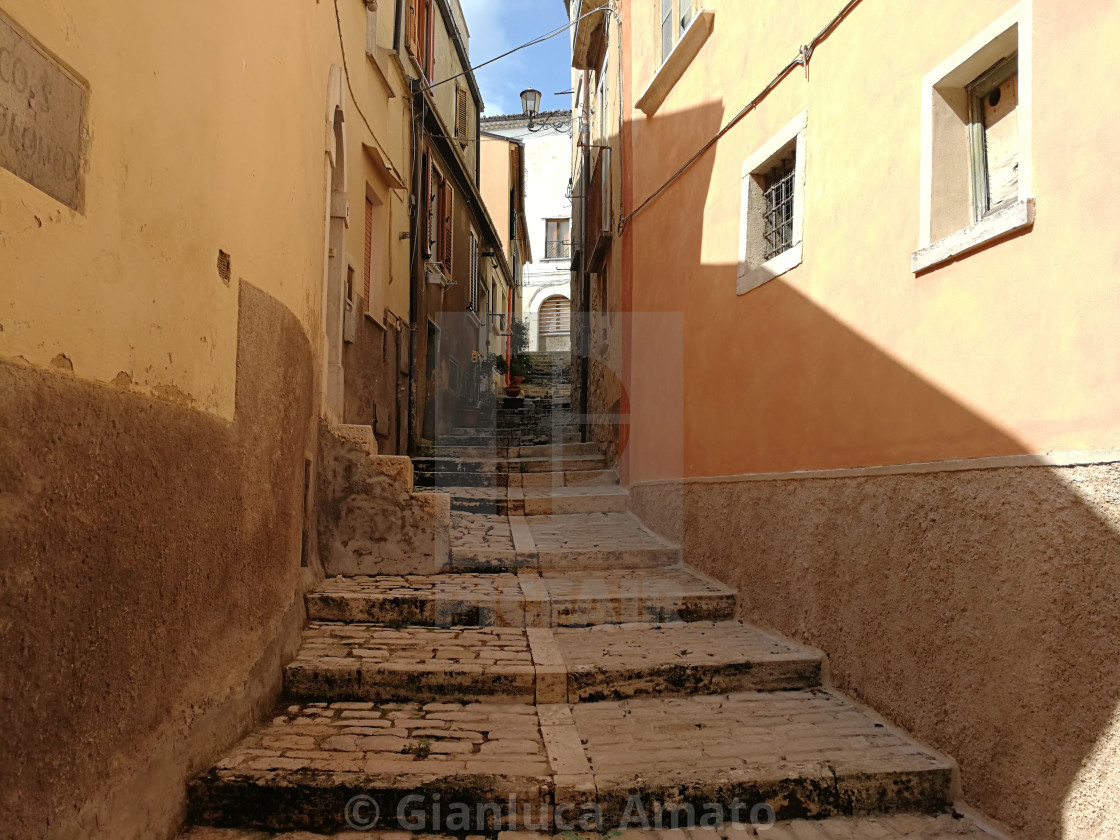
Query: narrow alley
pixel 576 419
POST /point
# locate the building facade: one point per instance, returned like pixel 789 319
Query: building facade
pixel 856 289
pixel 223 229
pixel 546 298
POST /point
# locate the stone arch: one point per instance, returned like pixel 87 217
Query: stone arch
pixel 554 318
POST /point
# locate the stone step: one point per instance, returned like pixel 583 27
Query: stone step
pixel 495 451
pixel 551 598
pixel 884 827
pixel 509 464
pixel 808 753
pixel 443 480
pixel 355 661
pixel 584 542
pixel 539 501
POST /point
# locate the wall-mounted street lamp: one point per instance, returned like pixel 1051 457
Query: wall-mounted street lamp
pixel 531 107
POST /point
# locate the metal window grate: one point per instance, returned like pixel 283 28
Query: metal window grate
pixel 778 213
pixel 557 249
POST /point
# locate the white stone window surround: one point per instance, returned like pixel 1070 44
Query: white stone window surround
pixel 686 48
pixel 957 71
pixel 752 277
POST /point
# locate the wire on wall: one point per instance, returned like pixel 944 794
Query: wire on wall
pixel 804 55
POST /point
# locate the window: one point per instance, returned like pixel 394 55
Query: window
pixel 667 32
pixel 772 208
pixel 994 138
pixel 557 239
pixel 420 33
pixel 777 209
pixel 367 261
pixel 976 143
pixel 474 279
pixel 604 101
pixel 439 220
pixel 461 115
pixel 676 15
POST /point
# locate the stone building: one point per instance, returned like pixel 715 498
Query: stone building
pixel 225 228
pixel 845 281
pixel 546 298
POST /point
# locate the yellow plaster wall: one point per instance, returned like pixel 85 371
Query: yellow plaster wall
pixel 207 132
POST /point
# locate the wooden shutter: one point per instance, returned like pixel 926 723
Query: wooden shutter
pixel 460 113
pixel 432 223
pixel 474 272
pixel 368 259
pixel 447 239
pixel 412 29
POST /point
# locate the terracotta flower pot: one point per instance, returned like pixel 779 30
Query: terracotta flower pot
pixel 516 380
pixel 469 417
pixel 513 390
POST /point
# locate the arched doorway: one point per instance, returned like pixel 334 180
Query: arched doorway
pixel 554 323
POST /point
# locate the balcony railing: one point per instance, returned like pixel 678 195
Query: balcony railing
pixel 557 249
pixel 599 210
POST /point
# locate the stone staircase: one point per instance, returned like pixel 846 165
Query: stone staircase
pixel 566 665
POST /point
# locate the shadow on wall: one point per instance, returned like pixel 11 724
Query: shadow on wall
pixel 979 608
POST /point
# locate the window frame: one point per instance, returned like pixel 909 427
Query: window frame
pixel 978 91
pixel 753 271
pixel 948 223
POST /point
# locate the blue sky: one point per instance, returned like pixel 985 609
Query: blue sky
pixel 500 25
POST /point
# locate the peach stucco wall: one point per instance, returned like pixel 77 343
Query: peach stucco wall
pixel 850 359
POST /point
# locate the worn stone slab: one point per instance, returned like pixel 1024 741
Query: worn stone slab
pixel 371 662
pixel 449 600
pixel 554 598
pixel 807 753
pixel 581 499
pixel 611 662
pixel 300 771
pixel 893 827
pixel 481 541
pixel 635 595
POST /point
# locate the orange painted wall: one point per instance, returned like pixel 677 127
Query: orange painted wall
pixel 850 359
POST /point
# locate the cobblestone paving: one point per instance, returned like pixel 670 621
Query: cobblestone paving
pixel 371 662
pixel 435 740
pixel 769 735
pixel 591 531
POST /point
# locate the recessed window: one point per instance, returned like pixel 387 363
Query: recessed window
pixel 976 143
pixel 558 239
pixel 772 208
pixel 777 196
pixel 994 138
pixel 675 16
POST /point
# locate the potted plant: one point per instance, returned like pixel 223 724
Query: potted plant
pixel 520 364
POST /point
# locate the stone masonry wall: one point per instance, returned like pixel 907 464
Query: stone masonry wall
pixel 978 609
pixel 151 581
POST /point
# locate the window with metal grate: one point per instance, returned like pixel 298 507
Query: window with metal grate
pixel 778 194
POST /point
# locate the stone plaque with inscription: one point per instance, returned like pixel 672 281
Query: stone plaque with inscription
pixel 42 111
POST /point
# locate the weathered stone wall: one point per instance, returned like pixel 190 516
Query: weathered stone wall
pixel 370 521
pixel 978 609
pixel 150 584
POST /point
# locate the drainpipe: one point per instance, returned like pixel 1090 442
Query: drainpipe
pixel 416 280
